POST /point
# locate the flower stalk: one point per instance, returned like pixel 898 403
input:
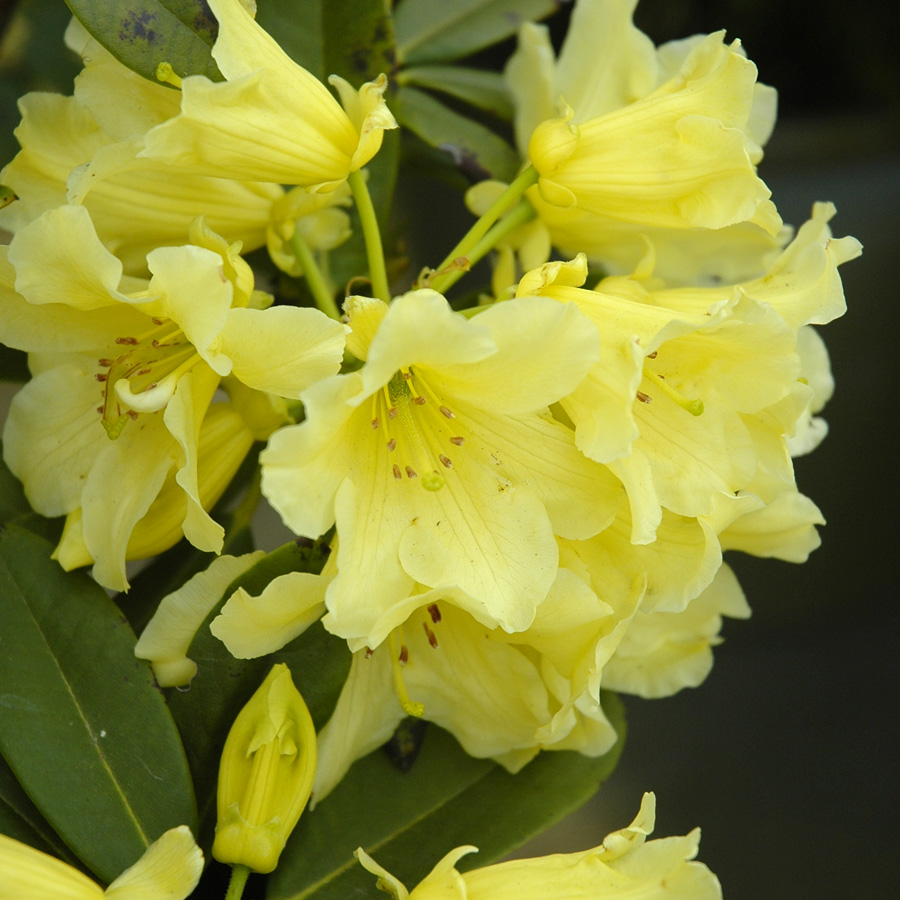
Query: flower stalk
pixel 371 235
pixel 474 235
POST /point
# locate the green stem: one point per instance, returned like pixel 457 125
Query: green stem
pixel 239 876
pixel 483 225
pixel 371 236
pixel 314 278
pixel 523 213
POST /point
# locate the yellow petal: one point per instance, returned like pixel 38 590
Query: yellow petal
pixel 169 870
pixel 168 635
pixel 28 873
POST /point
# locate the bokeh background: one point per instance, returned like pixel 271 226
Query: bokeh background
pixel 788 755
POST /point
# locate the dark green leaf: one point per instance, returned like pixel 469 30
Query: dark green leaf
pixel 353 39
pixel 435 30
pixel 408 821
pixel 205 712
pixel 20 818
pixel 476 150
pixel 82 725
pixel 14 508
pixel 13 504
pixel 480 87
pixel 143 33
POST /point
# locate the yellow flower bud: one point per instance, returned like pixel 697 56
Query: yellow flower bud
pixel 266 774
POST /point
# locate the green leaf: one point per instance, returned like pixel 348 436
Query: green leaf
pixel 435 30
pixel 353 39
pixel 82 725
pixel 481 88
pixel 474 148
pixel 13 504
pixel 20 818
pixel 408 821
pixel 143 33
pixel 15 508
pixel 205 712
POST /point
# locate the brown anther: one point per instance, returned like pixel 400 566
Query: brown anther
pixel 397 473
pixel 100 410
pixel 419 401
pixel 435 612
pixel 106 363
pixel 406 375
pixel 431 637
pixel 391 444
pixel 144 371
pixel 411 472
pixel 446 412
pixel 392 412
pixel 404 655
pixel 653 355
pixel 375 423
pixel 458 441
pixel 369 652
pixel 127 340
pixel 155 343
pixel 101 376
pixel 446 462
pixel 644 398
pixel 133 414
pixel 157 321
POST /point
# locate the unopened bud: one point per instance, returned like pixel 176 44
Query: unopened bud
pixel 266 775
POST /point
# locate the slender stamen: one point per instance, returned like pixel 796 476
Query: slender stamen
pixel 410 707
pixel 694 407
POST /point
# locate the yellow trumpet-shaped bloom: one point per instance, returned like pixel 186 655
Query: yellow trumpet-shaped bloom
pixel 119 425
pixel 678 158
pixel 655 145
pixel 169 870
pixel 438 460
pixel 270 120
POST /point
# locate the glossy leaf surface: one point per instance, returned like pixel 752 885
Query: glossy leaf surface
pixel 82 724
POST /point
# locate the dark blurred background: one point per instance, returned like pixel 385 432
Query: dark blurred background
pixel 788 755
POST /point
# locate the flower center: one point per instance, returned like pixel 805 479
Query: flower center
pixel 414 423
pixel 658 381
pixel 144 377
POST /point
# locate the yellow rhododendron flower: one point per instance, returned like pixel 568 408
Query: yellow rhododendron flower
pixel 640 617
pixel 84 149
pixel 688 377
pixel 609 75
pixel 624 867
pixel 125 372
pixel 438 460
pixel 168 870
pixel 270 120
pixel 678 158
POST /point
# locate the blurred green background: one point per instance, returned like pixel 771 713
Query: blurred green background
pixel 787 755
